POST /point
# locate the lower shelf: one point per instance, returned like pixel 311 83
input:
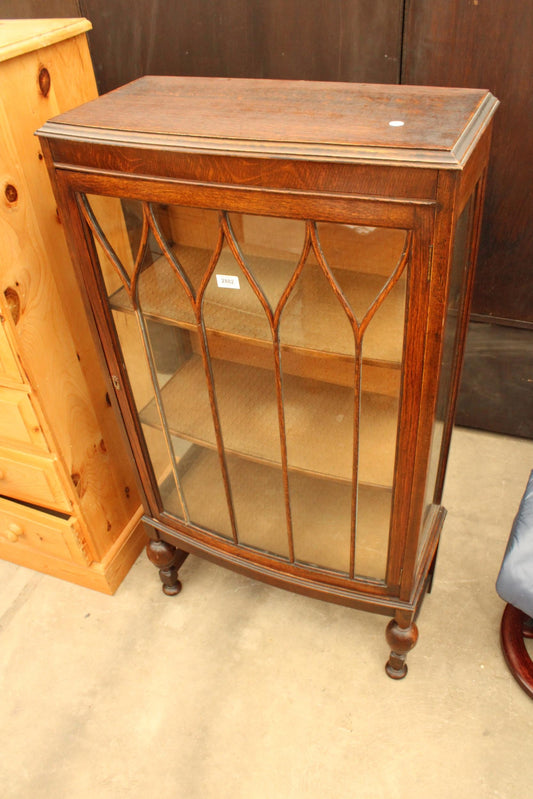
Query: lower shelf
pixel 320 512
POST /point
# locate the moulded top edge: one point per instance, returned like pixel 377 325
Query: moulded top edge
pixel 257 149
pixel 355 123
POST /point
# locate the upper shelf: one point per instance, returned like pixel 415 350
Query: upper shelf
pixel 312 320
pixel 347 122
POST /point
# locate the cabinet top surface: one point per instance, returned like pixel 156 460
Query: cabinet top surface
pixel 418 125
pixel 19 36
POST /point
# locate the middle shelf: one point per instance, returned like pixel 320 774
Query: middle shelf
pixel 319 420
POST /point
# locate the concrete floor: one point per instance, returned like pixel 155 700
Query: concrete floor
pixel 234 689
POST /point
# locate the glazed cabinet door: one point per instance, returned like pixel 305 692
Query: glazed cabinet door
pixel 266 361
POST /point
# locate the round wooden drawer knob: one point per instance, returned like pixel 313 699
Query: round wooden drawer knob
pixel 13 532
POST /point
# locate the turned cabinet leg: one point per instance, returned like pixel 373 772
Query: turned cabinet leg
pixel 168 559
pixel 401 640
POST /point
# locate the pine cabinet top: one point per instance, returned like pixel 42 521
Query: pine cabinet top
pixel 19 36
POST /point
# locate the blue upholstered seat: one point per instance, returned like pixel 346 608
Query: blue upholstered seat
pixel 515 580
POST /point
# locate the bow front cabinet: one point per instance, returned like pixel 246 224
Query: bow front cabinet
pixel 279 274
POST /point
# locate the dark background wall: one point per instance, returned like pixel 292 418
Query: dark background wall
pixel 352 40
pixel 488 43
pixel 476 43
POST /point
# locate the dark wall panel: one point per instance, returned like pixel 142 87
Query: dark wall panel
pixel 497 386
pixel 38 9
pixel 488 44
pixel 352 40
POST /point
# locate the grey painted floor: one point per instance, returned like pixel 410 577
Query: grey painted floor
pixel 234 689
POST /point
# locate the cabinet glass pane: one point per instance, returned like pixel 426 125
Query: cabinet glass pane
pixel 119 223
pixel 162 353
pixel 191 235
pixel 319 418
pixel 461 256
pixel 131 341
pixel 382 325
pixel 354 281
pixel 362 260
pixel 271 247
pixel 265 359
pixel 237 311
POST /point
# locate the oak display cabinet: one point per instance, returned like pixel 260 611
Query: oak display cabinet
pixel 279 274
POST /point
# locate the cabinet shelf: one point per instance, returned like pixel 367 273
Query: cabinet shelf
pixel 314 313
pixel 320 512
pixel 318 418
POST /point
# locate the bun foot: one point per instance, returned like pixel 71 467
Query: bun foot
pixel 171 590
pixel 168 559
pixel 401 640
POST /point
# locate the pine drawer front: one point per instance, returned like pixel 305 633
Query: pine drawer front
pixel 24 528
pixel 9 370
pixel 18 420
pixel 32 478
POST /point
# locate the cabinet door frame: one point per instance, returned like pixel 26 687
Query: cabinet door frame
pixel 417 216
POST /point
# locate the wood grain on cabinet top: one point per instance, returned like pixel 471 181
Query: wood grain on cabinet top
pixel 295 119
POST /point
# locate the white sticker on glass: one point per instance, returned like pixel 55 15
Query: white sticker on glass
pixel 228 282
